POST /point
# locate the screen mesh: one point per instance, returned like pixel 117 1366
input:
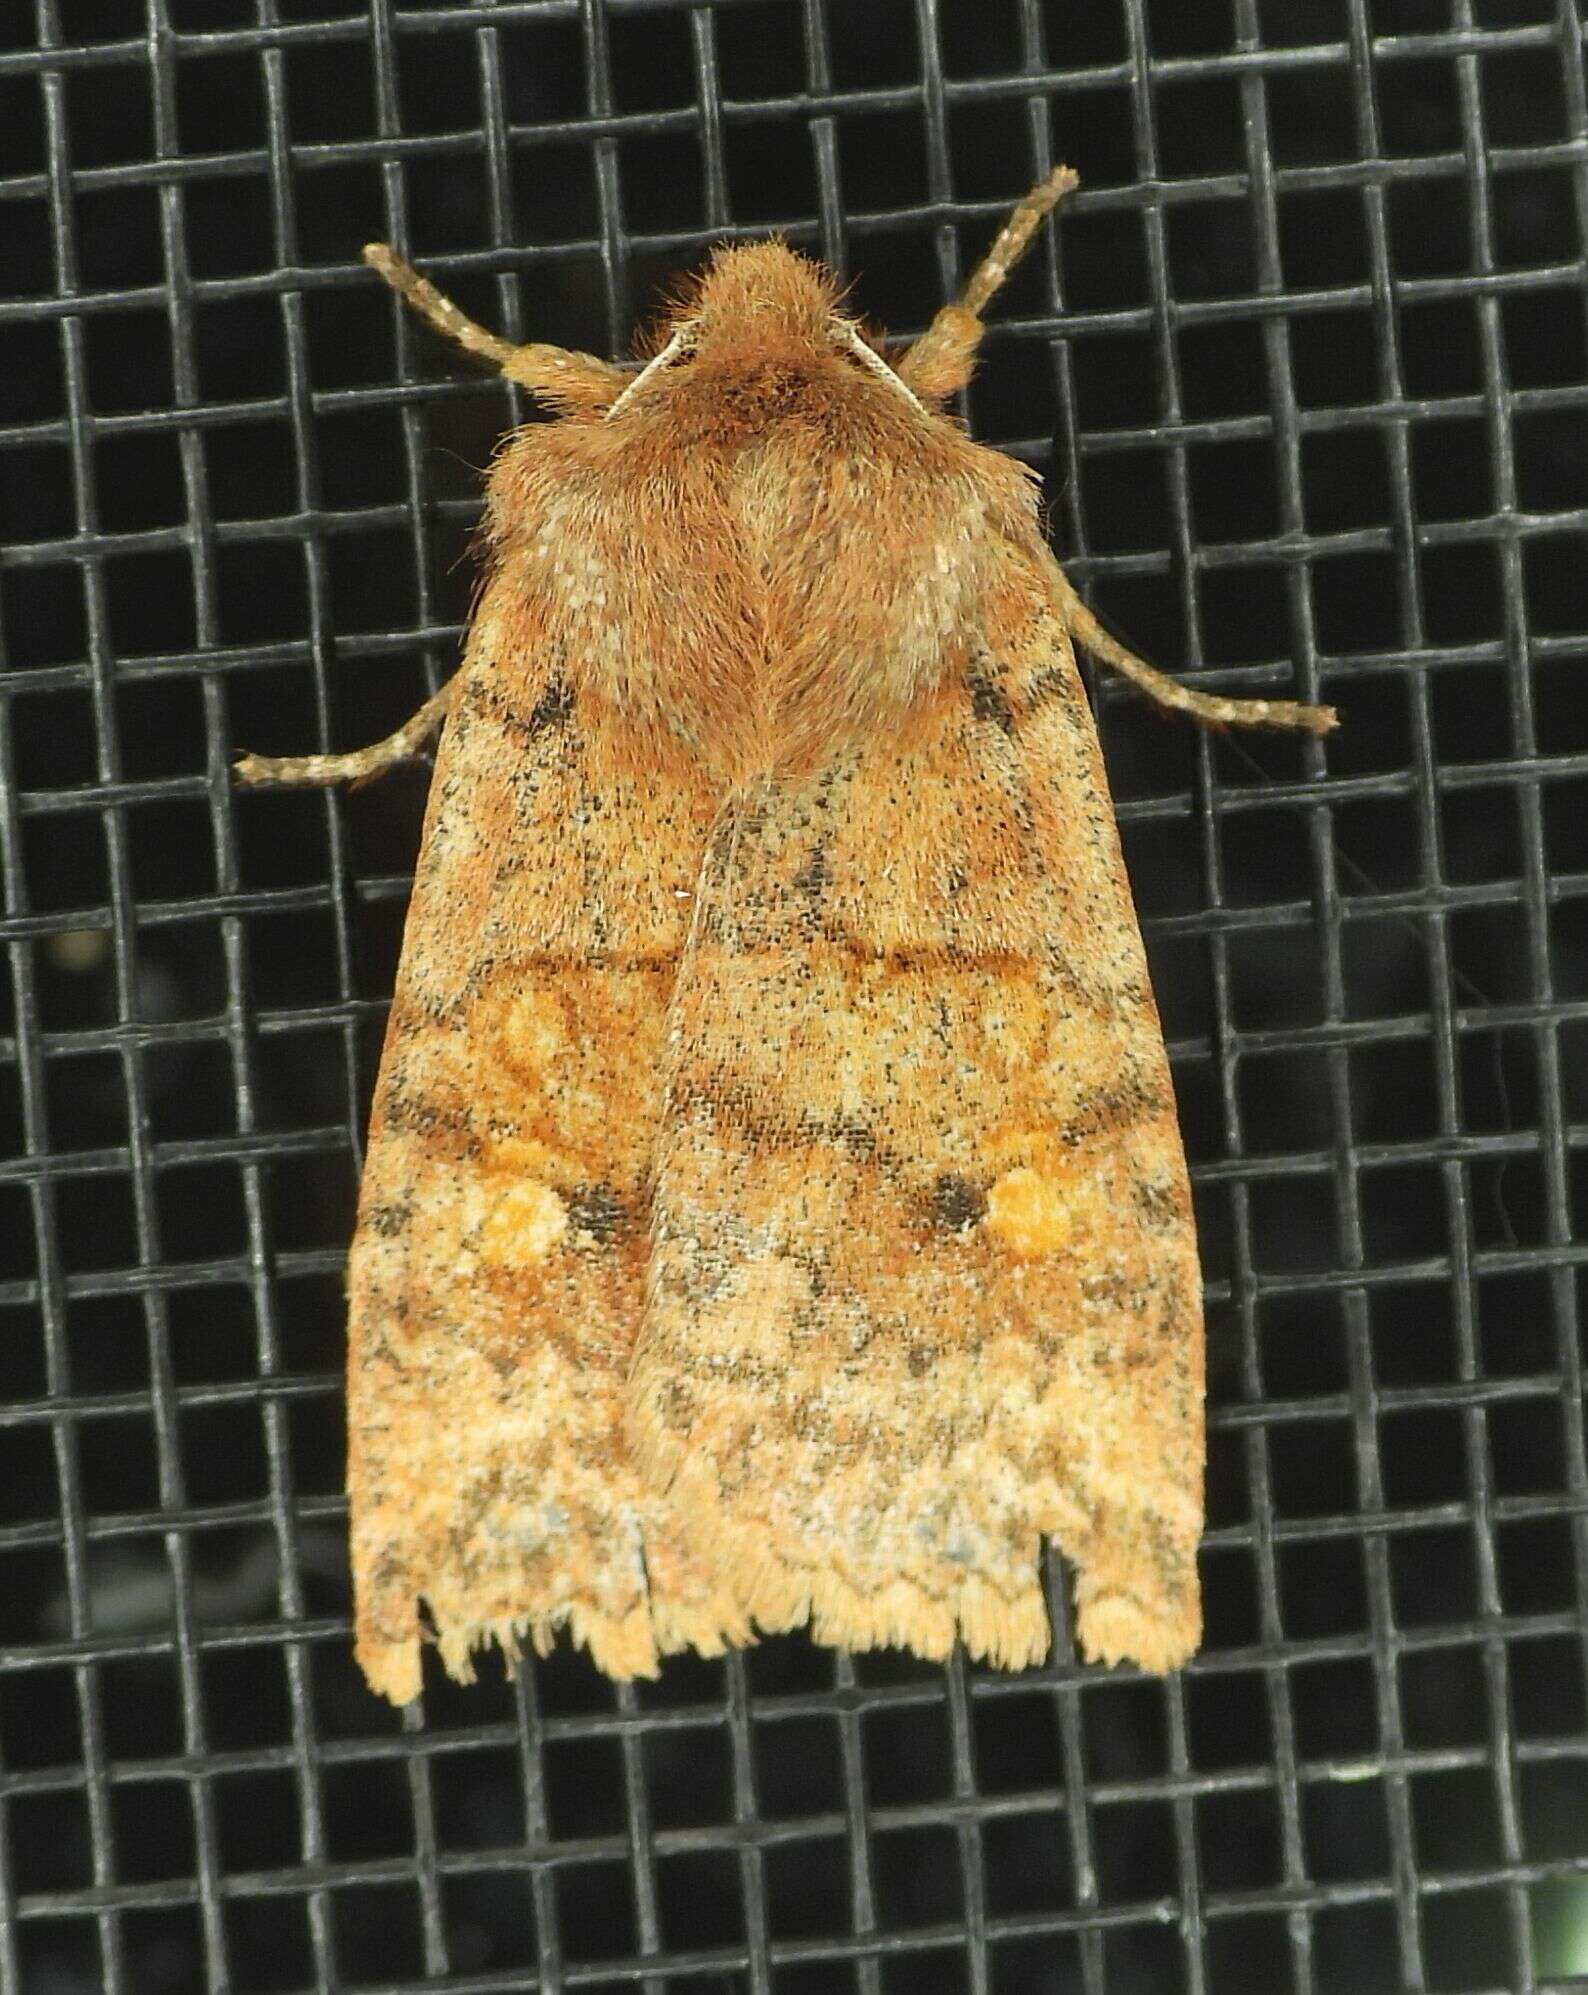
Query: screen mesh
pixel 1310 345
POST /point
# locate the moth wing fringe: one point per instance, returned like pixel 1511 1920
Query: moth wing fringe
pixel 622 1646
pixel 783 1588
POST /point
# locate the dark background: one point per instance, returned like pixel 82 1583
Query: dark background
pixel 1313 340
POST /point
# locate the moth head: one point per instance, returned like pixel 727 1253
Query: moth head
pixel 759 292
pixel 758 308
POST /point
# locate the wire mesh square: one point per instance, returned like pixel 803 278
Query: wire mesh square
pixel 1305 366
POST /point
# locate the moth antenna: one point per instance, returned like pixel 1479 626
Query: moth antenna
pixel 940 361
pixel 558 375
pixel 848 336
pixel 658 364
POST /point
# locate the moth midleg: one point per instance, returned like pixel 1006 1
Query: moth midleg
pixel 359 765
pixel 1212 708
pixel 939 363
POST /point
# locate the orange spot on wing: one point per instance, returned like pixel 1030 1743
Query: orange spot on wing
pixel 523 1225
pixel 1031 1214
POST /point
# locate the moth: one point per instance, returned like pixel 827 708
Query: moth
pixel 774 1211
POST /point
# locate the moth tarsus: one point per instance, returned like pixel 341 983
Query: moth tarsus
pixel 775 1211
pixel 362 765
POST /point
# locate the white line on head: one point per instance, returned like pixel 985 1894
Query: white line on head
pixel 680 343
pixel 846 336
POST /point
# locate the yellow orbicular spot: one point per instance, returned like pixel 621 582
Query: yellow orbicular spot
pixel 1029 1213
pixel 523 1225
pixel 535 1029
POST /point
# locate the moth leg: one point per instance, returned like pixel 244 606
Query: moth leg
pixel 1213 708
pixel 361 765
pixel 564 378
pixel 939 363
